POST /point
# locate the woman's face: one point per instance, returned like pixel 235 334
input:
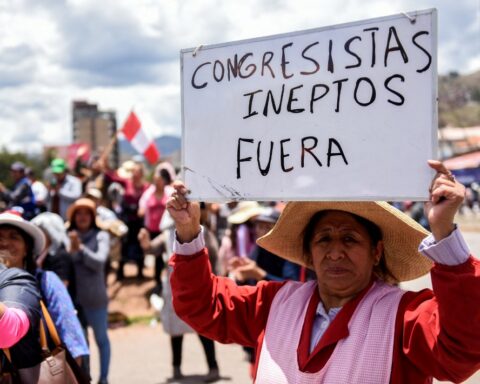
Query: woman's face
pixel 83 219
pixel 137 172
pixel 13 247
pixel 342 254
pixel 159 182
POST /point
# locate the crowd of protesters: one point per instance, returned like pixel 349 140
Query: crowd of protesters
pixel 73 223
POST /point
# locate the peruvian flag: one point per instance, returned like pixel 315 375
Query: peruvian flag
pixel 132 129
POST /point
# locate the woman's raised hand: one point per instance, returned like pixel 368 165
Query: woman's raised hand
pixel 446 197
pixel 185 213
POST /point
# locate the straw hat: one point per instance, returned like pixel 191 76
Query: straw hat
pixel 15 220
pixel 244 211
pixel 401 234
pixel 126 169
pixel 83 202
pixel 95 193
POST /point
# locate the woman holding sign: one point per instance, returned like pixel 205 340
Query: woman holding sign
pixel 351 325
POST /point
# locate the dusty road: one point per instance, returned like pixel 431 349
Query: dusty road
pixel 141 354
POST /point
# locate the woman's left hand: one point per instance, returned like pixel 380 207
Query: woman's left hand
pixel 74 241
pixel 446 197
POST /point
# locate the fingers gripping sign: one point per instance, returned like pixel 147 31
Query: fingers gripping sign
pixel 185 213
pixel 446 197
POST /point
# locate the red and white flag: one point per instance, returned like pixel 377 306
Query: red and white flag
pixel 132 129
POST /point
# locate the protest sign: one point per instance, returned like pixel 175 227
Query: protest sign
pixel 347 112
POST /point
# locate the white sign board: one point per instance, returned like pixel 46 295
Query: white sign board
pixel 347 112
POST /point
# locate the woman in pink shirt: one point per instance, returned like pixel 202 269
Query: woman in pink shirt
pixel 152 205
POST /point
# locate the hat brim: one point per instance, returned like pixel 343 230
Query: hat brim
pixel 401 234
pixel 30 229
pixel 243 216
pixel 81 203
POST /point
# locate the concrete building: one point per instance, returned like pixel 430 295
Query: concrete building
pixel 95 128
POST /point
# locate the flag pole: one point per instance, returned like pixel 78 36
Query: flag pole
pixel 108 149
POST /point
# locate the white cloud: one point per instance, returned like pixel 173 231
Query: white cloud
pixel 124 53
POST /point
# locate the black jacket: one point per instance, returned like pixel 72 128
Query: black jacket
pixel 18 289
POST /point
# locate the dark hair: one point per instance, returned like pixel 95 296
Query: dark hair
pixel 73 224
pixel 30 265
pixel 165 175
pixel 374 232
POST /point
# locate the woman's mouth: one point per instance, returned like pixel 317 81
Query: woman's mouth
pixel 337 270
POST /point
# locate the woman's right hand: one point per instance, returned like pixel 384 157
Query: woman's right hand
pixel 144 239
pixel 185 213
pixel 5 257
pixel 74 241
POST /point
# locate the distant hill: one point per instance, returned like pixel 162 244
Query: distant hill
pixel 167 145
pixel 459 100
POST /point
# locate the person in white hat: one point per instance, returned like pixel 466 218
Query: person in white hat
pixel 19 310
pixel 353 324
pixel 21 242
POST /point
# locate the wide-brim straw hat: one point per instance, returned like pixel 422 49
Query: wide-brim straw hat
pixel 401 234
pixel 126 169
pixel 83 202
pixel 244 211
pixel 15 220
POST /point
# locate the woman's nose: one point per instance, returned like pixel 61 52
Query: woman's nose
pixel 336 251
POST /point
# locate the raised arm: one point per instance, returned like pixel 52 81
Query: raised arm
pixel 214 306
pixel 440 332
pixel 446 197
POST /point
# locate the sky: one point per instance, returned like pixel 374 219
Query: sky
pixel 124 54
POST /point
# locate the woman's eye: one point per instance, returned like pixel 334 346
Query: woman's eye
pixel 349 239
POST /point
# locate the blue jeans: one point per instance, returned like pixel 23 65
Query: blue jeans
pixel 98 320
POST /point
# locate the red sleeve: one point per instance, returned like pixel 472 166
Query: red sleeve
pixel 112 177
pixel 441 330
pixel 215 306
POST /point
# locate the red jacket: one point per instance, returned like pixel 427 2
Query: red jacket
pixel 436 333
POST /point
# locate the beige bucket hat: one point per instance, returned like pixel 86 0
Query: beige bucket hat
pixel 401 234
pixel 244 211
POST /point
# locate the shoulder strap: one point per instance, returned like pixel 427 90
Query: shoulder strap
pixel 50 326
pixel 8 356
pixel 6 351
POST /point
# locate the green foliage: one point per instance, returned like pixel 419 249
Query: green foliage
pixel 466 116
pixel 7 158
pixel 459 100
